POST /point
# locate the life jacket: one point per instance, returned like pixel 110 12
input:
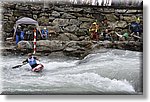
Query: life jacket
pixel 31 61
pixel 44 31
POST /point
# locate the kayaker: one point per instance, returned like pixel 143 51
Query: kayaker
pixel 31 60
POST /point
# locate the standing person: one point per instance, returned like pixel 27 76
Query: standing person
pixel 22 35
pixel 44 34
pixel 94 31
pixel 18 34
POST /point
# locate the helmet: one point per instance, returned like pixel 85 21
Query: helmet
pixel 138 19
pixel 94 23
pixel 29 54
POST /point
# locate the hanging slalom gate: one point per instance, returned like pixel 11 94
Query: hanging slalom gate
pixel 34 42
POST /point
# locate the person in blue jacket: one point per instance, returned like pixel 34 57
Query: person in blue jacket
pixel 136 29
pixel 44 34
pixel 19 34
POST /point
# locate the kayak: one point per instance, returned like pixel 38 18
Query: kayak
pixel 38 68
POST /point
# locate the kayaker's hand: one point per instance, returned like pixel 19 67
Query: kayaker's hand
pixel 24 63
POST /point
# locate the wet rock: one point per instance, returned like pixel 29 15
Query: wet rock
pixel 111 17
pixel 85 25
pixel 24 45
pixel 66 15
pixel 8 14
pixel 50 46
pixel 16 13
pixel 81 32
pixel 121 24
pixel 43 20
pixel 129 19
pixel 10 5
pixel 55 28
pixel 59 9
pixel 51 19
pixel 71 37
pixel 55 14
pixel 44 15
pixel 36 7
pixel 77 14
pixel 74 22
pixel 61 22
pixel 8 26
pixel 84 19
pixel 63 37
pixel 77 9
pixel 81 38
pixel 35 16
pixel 72 28
pixel 77 49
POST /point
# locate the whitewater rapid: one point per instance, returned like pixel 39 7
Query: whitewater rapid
pixel 110 72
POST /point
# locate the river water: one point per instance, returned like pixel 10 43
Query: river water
pixel 108 72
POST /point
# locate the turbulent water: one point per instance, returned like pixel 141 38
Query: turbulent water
pixel 110 72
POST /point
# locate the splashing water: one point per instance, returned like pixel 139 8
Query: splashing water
pixel 112 72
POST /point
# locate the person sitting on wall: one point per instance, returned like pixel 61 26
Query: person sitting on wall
pixel 94 31
pixel 44 34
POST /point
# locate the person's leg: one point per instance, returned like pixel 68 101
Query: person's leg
pixel 33 66
pixel 17 39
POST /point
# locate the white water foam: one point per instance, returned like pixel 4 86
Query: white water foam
pixel 97 82
pixel 85 80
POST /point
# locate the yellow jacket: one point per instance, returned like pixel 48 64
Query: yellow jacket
pixel 94 27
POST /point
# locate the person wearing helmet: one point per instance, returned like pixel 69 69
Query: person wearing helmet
pixel 44 34
pixel 31 60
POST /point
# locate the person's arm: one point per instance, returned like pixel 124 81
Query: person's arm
pixel 25 61
pixel 36 58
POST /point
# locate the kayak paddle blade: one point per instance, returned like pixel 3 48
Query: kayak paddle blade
pixel 17 66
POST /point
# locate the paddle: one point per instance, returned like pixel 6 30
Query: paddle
pixel 17 66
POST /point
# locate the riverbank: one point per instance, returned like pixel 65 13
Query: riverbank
pixel 58 48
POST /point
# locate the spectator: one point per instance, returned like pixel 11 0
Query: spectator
pixel 18 34
pixel 44 34
pixel 94 31
pixel 136 29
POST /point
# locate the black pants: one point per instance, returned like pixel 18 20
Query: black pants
pixel 33 66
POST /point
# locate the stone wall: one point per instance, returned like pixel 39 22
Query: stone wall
pixel 66 22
